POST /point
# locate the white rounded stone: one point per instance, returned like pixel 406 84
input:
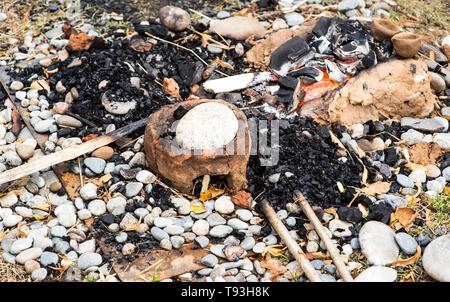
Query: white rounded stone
pixel 436 259
pixel 207 126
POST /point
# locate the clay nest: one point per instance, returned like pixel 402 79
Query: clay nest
pixel 182 166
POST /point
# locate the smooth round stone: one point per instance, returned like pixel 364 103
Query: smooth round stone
pixel 88 191
pixel 418 176
pixel 116 202
pixel 20 245
pixel 104 153
pixel 28 254
pixel 405 181
pixel 12 159
pixel 97 207
pixel 244 215
pixel 24 212
pixel 31 265
pixel 96 165
pixel 89 259
pixel 203 241
pixel 237 224
pixel 39 275
pixel 207 126
pixel 174 18
pixel 158 233
pixel 121 237
pixel 11 220
pixel 84 214
pixel 378 244
pixel 327 278
pixel 270 240
pixel 58 231
pixel 174 229
pixel 215 219
pixel 217 250
pixel 248 243
pixel 9 200
pixel 49 258
pixel 166 244
pixel 293 19
pixel 177 241
pixel 406 243
pixel 224 205
pixel 446 173
pixel 259 248
pixel 436 259
pixel 26 149
pixel 209 260
pixel 220 231
pixel 145 177
pixel 354 243
pixel 330 268
pixel 43 126
pixel 377 274
pixel 200 227
pixel 133 188
pixel 434 172
pixel 162 222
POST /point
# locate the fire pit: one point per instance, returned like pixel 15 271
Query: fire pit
pixel 183 165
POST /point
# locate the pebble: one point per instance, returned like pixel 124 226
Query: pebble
pixel 166 244
pixel 39 275
pixel 377 274
pixel 210 260
pixel 347 5
pixel 406 243
pixel 378 244
pixel 11 220
pixel 12 159
pixel 200 227
pixel 28 254
pixel 97 207
pixel 443 140
pixel 133 188
pixel 244 215
pixel 177 241
pixel 259 248
pixel 220 231
pixel 158 233
pixel 88 260
pixel 238 28
pixel 31 265
pixel 405 181
pixel 26 149
pixel 16 85
pixel 9 200
pixel 49 259
pixel 96 165
pixel 88 192
pixel 104 153
pixel 317 264
pixel 128 221
pixel 418 176
pixel 436 124
pixel 145 177
pixel 174 18
pixel 20 245
pixel 116 202
pixel 293 19
pixel 224 205
pixel 436 259
pixel 237 224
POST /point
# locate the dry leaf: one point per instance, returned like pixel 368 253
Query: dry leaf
pixel 363 210
pixel 223 64
pixel 274 250
pixel 171 88
pixel 210 194
pixel 337 142
pixel 378 187
pixel 416 167
pixel 274 266
pixel 105 178
pixel 198 208
pixel 405 216
pixel 408 261
pixel 39 85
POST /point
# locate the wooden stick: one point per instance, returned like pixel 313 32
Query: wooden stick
pixel 331 248
pixel 292 246
pixel 69 153
pixel 81 119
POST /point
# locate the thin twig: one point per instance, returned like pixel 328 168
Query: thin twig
pixel 81 119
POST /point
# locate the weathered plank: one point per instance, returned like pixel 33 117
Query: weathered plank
pixel 69 153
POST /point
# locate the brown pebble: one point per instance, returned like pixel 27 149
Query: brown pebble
pixel 31 265
pixel 105 152
pixel 55 186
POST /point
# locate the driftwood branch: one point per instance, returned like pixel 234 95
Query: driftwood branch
pixel 292 246
pixel 331 248
pixel 69 153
